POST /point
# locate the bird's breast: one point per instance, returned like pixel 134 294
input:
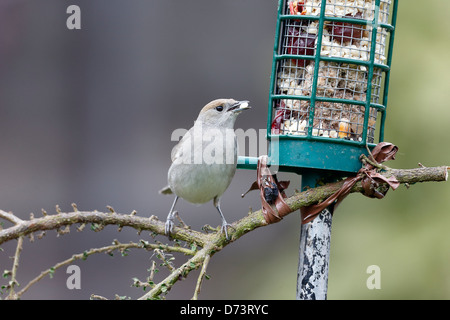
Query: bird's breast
pixel 205 163
pixel 200 183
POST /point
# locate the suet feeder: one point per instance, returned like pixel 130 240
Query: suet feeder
pixel 327 104
pixel 329 84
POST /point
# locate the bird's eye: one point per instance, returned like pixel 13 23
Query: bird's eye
pixel 219 108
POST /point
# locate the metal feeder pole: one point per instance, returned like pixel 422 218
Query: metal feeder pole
pixel 314 257
pixel 314 251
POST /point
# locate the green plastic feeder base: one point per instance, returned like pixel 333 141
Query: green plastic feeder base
pixel 311 155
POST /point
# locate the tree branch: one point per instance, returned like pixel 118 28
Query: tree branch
pixel 210 243
pixel 201 277
pixel 13 282
pixel 98 219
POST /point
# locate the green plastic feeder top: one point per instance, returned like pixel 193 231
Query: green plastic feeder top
pixel 329 82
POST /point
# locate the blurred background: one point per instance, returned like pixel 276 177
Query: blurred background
pixel 86 116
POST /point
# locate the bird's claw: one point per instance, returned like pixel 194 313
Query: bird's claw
pixel 224 229
pixel 168 228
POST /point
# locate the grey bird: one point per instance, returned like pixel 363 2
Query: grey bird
pixel 204 160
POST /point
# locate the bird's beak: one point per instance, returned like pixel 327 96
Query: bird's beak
pixel 239 106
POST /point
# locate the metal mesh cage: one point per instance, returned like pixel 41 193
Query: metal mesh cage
pixel 331 72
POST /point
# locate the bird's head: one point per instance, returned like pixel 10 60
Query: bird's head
pixel 222 112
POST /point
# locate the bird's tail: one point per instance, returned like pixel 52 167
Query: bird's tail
pixel 166 190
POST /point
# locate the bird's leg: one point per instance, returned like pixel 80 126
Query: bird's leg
pixel 224 222
pixel 169 221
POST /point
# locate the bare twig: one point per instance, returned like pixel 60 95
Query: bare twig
pixel 178 273
pixel 10 217
pixel 152 272
pixel 82 256
pixel 97 297
pixel 13 282
pixel 201 277
pixel 182 223
pixel 52 222
pixel 167 261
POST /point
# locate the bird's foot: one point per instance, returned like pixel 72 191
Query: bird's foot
pixel 168 226
pixel 224 229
